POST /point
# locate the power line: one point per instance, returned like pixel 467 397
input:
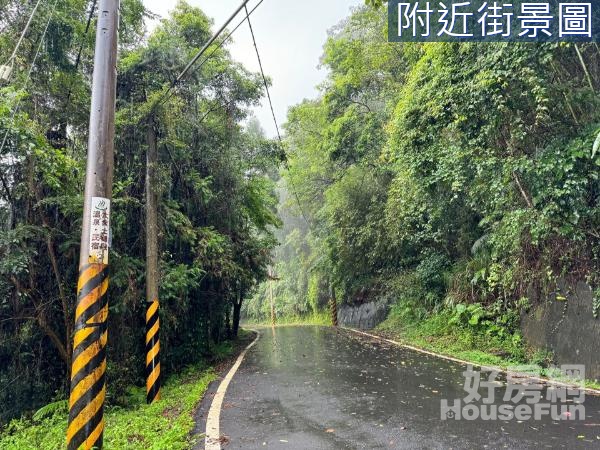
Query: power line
pixel 264 78
pixel 169 92
pixel 275 119
pixel 87 29
pixel 25 30
pixel 80 52
pixel 28 78
pixel 230 34
pixel 210 42
pixel 198 55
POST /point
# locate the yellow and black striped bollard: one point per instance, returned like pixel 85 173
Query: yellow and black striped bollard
pixel 333 308
pixel 152 353
pixel 88 389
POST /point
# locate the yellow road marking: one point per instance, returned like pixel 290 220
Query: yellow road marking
pixel 213 432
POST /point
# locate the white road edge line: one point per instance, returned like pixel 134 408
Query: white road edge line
pixel 213 432
pixel 450 358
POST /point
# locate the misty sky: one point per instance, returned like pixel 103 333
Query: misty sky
pixel 290 35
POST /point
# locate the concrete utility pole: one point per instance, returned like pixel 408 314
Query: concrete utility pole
pixel 88 388
pixel 272 278
pixel 152 271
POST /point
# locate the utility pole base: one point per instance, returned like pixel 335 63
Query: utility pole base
pixel 88 388
pixel 152 354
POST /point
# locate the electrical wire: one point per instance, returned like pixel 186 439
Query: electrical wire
pixel 230 34
pixel 169 93
pixel 29 73
pixel 25 30
pixel 262 72
pixel 80 52
pixel 87 30
pixel 275 119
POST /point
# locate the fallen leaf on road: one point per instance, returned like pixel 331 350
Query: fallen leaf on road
pixel 329 430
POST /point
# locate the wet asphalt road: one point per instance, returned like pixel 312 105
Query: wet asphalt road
pixel 320 388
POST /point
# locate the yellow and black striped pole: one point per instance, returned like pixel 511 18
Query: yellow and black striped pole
pixel 86 422
pixel 333 307
pixel 88 388
pixel 152 354
pixel 152 269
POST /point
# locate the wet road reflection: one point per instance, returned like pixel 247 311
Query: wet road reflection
pixel 320 388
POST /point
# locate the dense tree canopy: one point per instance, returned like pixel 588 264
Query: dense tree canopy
pixel 443 173
pixel 216 211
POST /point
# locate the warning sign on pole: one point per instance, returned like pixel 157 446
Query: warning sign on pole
pixel 100 231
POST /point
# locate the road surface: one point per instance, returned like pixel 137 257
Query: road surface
pixel 321 388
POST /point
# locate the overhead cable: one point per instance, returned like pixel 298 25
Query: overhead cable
pixel 275 119
pixel 7 69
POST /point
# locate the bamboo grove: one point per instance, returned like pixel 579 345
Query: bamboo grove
pixel 214 186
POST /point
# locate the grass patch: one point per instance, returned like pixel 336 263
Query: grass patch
pixel 322 318
pixel 437 333
pixel 479 345
pixel 160 426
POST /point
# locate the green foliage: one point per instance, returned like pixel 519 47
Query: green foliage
pixel 542 358
pixel 467 332
pixel 313 292
pixel 453 178
pixel 596 304
pixel 431 274
pixel 375 3
pixel 165 424
pixel 51 410
pixel 466 169
pixel 322 318
pixel 215 183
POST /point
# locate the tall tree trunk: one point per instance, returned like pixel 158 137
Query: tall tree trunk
pixel 228 321
pixel 588 77
pixel 66 310
pixel 237 310
pixel 522 190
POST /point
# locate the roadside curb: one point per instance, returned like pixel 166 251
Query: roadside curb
pixel 461 361
pixel 213 432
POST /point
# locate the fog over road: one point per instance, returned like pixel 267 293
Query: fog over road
pixel 321 388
